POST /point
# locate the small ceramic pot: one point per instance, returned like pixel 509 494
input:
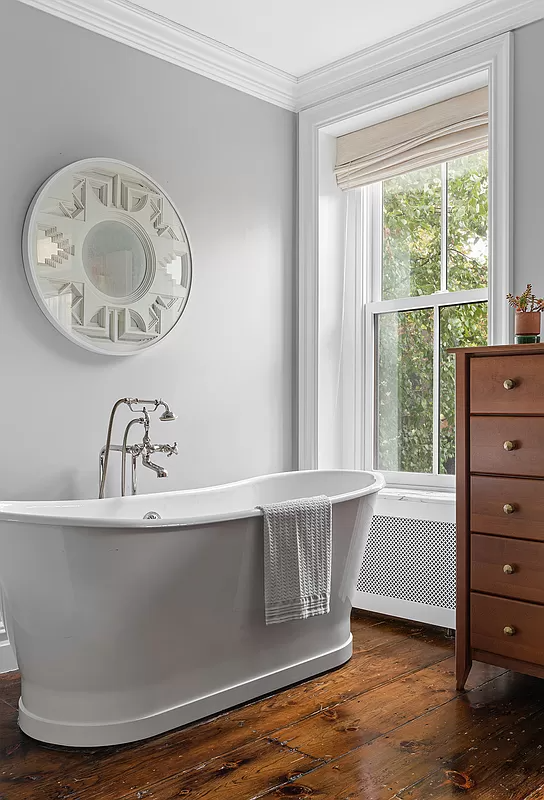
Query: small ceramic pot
pixel 527 327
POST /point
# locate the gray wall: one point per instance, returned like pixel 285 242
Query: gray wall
pixel 528 157
pixel 228 162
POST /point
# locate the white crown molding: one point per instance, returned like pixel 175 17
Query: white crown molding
pixel 137 27
pixel 450 33
pixel 134 26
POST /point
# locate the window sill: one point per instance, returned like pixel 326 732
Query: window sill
pixel 418 495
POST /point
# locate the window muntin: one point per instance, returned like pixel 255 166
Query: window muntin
pixel 429 284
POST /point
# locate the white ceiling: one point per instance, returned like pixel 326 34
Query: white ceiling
pixel 298 36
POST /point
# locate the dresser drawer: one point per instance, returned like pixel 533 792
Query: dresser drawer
pixel 493 618
pixel 488 394
pixel 507 567
pixel 507 445
pixel 488 498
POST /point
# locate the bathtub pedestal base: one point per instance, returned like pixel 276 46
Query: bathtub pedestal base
pixel 132 730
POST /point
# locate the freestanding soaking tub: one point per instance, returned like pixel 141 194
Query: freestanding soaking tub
pixel 126 627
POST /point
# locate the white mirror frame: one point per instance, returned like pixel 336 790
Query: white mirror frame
pixel 66 208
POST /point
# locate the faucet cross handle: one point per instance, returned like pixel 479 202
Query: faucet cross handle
pixel 169 449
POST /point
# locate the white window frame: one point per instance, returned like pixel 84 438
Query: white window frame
pixel 321 438
pixel 371 222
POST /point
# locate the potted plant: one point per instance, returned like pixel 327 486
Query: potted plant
pixel 528 309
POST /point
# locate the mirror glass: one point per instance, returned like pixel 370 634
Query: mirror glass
pixel 114 259
pixel 107 256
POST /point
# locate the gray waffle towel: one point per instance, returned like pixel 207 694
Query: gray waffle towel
pixel 297 558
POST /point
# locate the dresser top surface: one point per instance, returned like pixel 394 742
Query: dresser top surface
pixel 500 350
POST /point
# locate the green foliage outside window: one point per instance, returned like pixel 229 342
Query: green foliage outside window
pixel 405 390
pixel 411 267
pixel 460 326
pixel 411 234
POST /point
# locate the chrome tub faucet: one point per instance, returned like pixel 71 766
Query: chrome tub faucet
pixel 142 450
pixel 148 448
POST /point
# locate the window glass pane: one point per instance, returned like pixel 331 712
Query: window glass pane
pixel 405 391
pixel 467 222
pixel 460 326
pixel 411 234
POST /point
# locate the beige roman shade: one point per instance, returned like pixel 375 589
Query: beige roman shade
pixel 446 130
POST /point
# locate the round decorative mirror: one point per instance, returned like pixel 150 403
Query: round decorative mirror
pixel 107 256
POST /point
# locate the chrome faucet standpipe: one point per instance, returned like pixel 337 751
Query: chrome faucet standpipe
pixel 134 457
pixel 142 450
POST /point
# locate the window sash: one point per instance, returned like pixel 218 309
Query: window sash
pixel 372 223
pixel 436 300
pixel 375 310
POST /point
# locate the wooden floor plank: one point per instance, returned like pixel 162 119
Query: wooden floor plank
pixel 192 746
pixel 363 673
pixel 10 685
pixel 502 767
pixel 389 764
pixel 386 725
pixel 367 637
pixel 344 727
pixel 248 771
pixel 538 794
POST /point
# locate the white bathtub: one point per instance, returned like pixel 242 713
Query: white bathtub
pixel 124 628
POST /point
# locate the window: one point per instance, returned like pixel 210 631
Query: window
pixel 428 292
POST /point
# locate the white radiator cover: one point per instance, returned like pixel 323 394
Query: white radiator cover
pixel 408 569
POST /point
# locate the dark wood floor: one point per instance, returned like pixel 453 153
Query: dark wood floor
pixel 388 725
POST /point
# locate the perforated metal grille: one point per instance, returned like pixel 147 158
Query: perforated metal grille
pixel 410 559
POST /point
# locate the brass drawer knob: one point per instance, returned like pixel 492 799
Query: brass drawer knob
pixel 508 508
pixel 509 445
pixel 509 384
pixel 509 630
pixel 508 569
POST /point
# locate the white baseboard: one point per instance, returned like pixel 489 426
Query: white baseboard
pixel 405 609
pixel 8 662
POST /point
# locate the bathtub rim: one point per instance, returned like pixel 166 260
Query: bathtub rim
pixel 27 511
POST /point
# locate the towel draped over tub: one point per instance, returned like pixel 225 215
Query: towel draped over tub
pixel 297 558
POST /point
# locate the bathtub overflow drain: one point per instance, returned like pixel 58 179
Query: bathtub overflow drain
pixel 152 515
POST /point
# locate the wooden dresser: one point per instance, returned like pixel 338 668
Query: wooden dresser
pixel 500 508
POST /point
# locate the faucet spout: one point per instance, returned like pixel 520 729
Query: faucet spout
pixel 156 468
